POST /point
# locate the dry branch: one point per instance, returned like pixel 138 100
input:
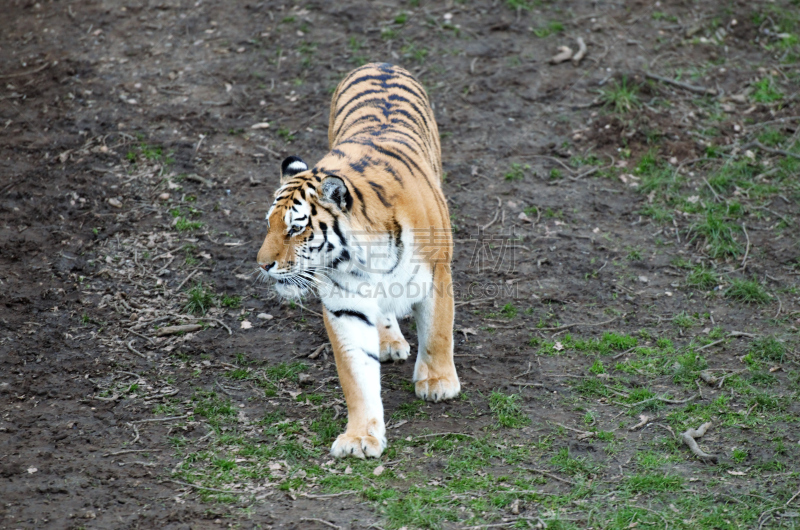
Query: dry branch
pixel 172 330
pixel 679 84
pixel 689 438
pixel 564 54
pixel 581 53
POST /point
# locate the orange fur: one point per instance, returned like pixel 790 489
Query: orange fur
pixel 384 146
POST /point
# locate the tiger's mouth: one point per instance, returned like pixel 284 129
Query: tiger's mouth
pixel 290 288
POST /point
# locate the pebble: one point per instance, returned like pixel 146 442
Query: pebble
pixel 115 203
pixel 164 196
pixel 264 316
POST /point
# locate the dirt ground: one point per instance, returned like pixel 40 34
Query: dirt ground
pixel 626 266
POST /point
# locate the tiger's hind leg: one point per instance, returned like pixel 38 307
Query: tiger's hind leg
pixel 435 377
pixel 393 345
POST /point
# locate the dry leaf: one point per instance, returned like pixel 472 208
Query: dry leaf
pixel 246 324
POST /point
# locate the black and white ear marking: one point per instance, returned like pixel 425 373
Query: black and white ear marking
pixel 292 166
pixel 334 190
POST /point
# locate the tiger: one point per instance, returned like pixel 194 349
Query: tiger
pixel 368 229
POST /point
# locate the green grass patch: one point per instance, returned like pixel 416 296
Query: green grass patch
pixel 621 96
pixel 747 292
pixel 718 236
pixel 507 410
pixel 517 172
pixel 702 278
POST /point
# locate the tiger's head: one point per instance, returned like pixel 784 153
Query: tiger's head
pixel 306 227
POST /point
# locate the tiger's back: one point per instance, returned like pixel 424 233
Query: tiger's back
pixel 383 136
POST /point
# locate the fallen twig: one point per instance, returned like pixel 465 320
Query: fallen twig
pixel 321 521
pixel 314 354
pixel 663 400
pixel 689 438
pixel 496 215
pixel 679 84
pixel 581 53
pixel 710 344
pixel 564 54
pixel 126 451
pixel 188 277
pixel 771 150
pixel 548 474
pixel 29 72
pixel 202 487
pixel 643 421
pixel 162 419
pixel 747 249
pixel 172 330
pixel 131 348
pixel 444 434
pixel 327 495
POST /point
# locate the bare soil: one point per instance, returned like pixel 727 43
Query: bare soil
pixel 123 123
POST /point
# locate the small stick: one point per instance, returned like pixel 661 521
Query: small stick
pixel 793 498
pixel 564 54
pixel 524 373
pixel 685 86
pixel 314 354
pixel 142 336
pixel 581 53
pixel 710 344
pixel 162 419
pixel 688 438
pixel 189 277
pixel 774 151
pixel 322 521
pixel 445 434
pixel 520 383
pixel 126 451
pixel 747 249
pixel 201 487
pixel 131 348
pixel 172 330
pixel 643 421
pixel 545 473
pixel 29 72
pixel 496 215
pixel 327 495
pixel 664 400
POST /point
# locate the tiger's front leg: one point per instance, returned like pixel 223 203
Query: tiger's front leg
pixel 356 346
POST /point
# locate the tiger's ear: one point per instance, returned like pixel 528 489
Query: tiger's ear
pixel 333 190
pixel 292 166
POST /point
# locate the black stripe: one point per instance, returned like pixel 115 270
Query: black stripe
pixel 354 314
pixel 324 229
pixel 358 96
pixel 371 355
pixel 368 117
pixel 363 203
pixel 376 103
pixel 378 189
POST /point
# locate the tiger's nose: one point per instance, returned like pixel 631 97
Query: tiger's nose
pixel 268 266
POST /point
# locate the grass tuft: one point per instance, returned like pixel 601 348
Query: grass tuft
pixel 767 349
pixel 718 235
pixel 748 292
pixel 200 300
pixel 507 410
pixel 621 97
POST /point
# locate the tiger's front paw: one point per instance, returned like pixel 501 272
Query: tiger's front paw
pixel 396 350
pixel 367 446
pixel 438 388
